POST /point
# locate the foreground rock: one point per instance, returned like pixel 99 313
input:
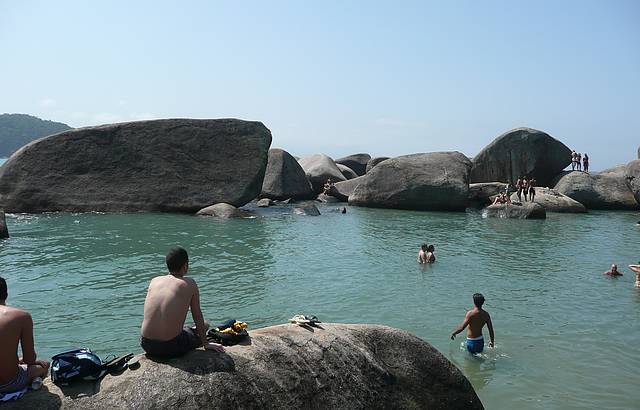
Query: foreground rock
pixel 347 172
pixel 342 190
pixel 284 178
pixel 632 178
pixel 174 165
pixel 480 194
pixel 4 232
pixel 375 161
pixel 357 162
pixel 437 181
pixel 526 210
pixel 223 211
pixel 521 152
pixel 318 169
pixel 284 367
pixel 553 201
pixel 606 190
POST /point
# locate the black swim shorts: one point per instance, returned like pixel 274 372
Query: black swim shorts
pixel 186 341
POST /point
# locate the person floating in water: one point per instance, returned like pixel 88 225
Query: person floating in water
pixel 636 269
pixel 613 271
pixel 16 327
pixel 476 318
pixel 430 256
pixel 422 253
pixel 169 298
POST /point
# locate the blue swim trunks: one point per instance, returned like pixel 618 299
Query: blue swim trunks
pixel 475 345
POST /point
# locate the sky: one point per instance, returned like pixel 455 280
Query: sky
pixel 337 77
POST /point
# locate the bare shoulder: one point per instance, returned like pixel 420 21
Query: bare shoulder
pixel 191 282
pixel 17 314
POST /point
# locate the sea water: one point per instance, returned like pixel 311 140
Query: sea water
pixel 567 337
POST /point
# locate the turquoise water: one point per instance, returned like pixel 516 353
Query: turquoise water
pixel 566 336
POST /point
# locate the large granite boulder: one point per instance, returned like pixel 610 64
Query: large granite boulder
pixel 375 161
pixel 285 178
pixel 347 172
pixel 4 231
pixel 632 178
pixel 603 190
pixel 437 181
pixel 526 210
pixel 521 152
pixel 357 162
pixel 553 201
pixel 319 168
pixel 224 211
pixel 172 165
pixel 334 366
pixel 342 190
pixel 480 193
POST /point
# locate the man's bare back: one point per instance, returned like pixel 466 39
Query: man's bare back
pixel 476 319
pixel 166 306
pixel 12 321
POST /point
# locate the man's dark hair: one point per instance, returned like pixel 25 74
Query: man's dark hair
pixel 176 258
pixel 478 299
pixel 3 289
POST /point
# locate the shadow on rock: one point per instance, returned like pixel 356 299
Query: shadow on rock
pixel 200 362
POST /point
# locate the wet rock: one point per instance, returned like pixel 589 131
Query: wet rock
pixel 334 366
pixel 356 162
pixel 342 190
pixel 319 168
pixel 347 172
pixel 375 161
pixel 521 152
pixel 223 210
pixel 4 232
pixel 607 190
pixel 632 178
pixel 306 209
pixel 481 193
pixel 437 181
pixel 553 201
pixel 526 210
pixel 264 203
pixel 327 199
pixel 284 178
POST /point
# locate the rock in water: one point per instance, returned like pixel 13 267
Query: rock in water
pixel 319 168
pixel 347 172
pixel 223 210
pixel 521 152
pixel 553 201
pixel 480 194
pixel 172 165
pixel 437 181
pixel 606 190
pixel 632 178
pixel 327 199
pixel 357 162
pixel 526 210
pixel 307 210
pixel 264 203
pixel 284 367
pixel 285 178
pixel 4 232
pixel 342 190
pixel 375 161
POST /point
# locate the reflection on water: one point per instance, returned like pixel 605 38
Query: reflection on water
pixel 566 337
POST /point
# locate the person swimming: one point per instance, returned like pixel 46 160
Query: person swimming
pixel 430 256
pixel 476 319
pixel 422 253
pixel 613 271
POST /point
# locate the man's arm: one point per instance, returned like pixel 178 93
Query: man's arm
pixel 460 328
pixel 196 313
pixel 490 327
pixel 26 340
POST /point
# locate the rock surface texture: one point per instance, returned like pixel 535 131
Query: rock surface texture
pixel 222 210
pixel 347 172
pixel 521 152
pixel 173 165
pixel 357 162
pixel 553 201
pixel 285 178
pixel 283 367
pixel 319 168
pixel 437 181
pixel 606 190
pixel 342 190
pixel 4 232
pixel 375 161
pixel 306 210
pixel 632 178
pixel 515 211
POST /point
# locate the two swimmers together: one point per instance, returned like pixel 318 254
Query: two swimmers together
pixel 426 254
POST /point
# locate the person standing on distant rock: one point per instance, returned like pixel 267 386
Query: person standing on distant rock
pixel 422 253
pixel 519 188
pixel 574 158
pixel 476 318
pixel 16 327
pixel 532 188
pixel 585 163
pixel 579 161
pixel 613 271
pixel 525 187
pixel 636 269
pixel 169 298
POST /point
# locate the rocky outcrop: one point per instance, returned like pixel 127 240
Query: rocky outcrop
pixel 334 366
pixel 480 193
pixel 521 152
pixel 342 190
pixel 357 162
pixel 264 203
pixel 606 190
pixel 173 165
pixel 347 172
pixel 4 231
pixel 375 161
pixel 434 181
pixel 285 178
pixel 553 201
pixel 632 178
pixel 223 210
pixel 306 209
pixel 319 168
pixel 526 210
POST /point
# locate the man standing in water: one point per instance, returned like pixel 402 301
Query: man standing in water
pixel 16 326
pixel 476 318
pixel 165 309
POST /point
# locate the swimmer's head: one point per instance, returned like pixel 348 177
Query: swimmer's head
pixel 177 260
pixel 425 247
pixel 478 299
pixel 430 248
pixel 614 268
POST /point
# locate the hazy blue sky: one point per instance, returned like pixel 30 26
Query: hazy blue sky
pixel 338 77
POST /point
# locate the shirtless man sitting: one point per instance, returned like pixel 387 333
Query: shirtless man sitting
pixel 613 271
pixel 16 326
pixel 476 318
pixel 165 309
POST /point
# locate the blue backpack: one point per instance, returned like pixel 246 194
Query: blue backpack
pixel 75 365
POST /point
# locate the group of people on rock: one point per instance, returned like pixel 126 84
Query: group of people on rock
pixel 527 187
pixel 614 272
pixel 579 162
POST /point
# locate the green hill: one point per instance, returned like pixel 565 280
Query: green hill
pixel 17 130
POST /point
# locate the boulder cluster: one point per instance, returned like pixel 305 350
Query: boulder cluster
pixel 185 165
